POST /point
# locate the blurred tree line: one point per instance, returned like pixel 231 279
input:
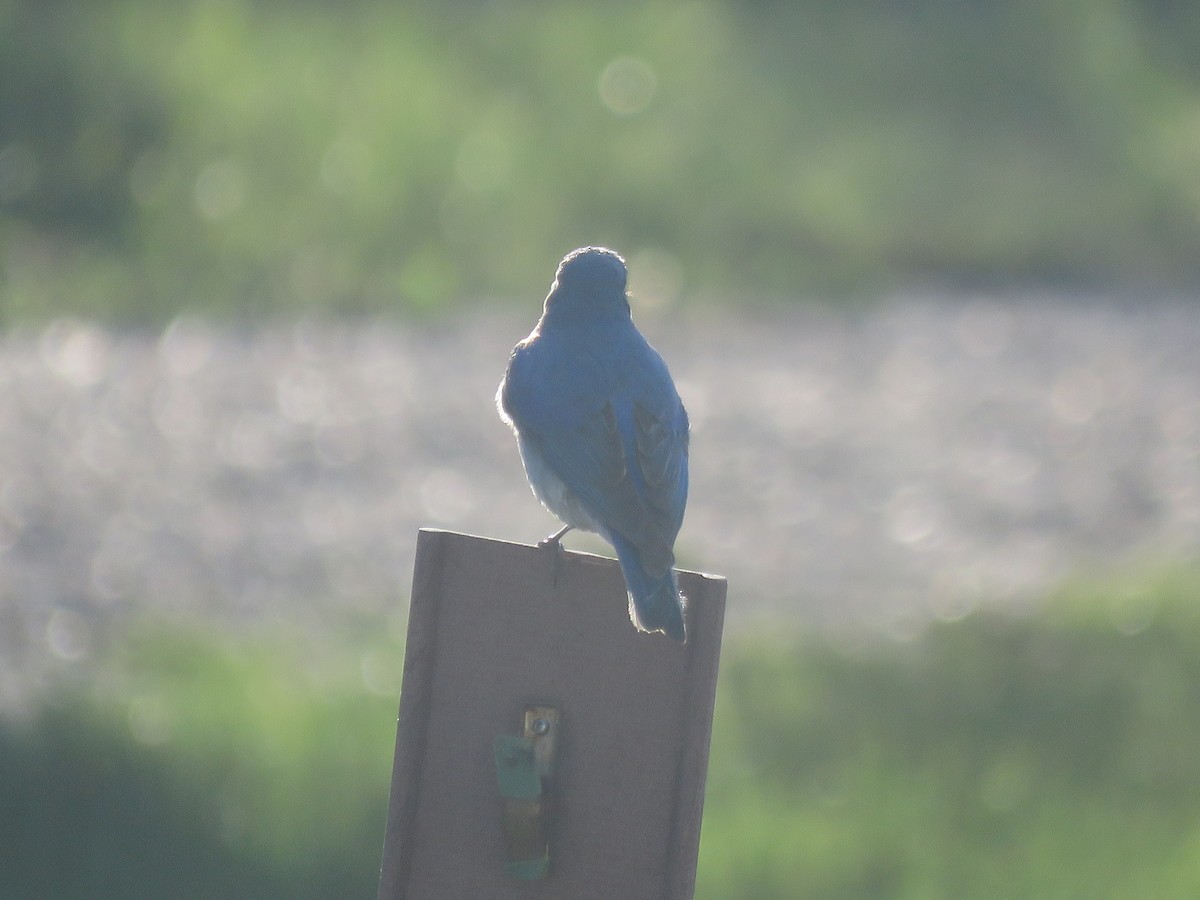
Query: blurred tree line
pixel 253 156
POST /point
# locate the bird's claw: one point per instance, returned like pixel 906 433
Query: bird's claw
pixel 554 544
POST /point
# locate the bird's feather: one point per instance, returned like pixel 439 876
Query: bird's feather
pixel 602 430
pixel 625 459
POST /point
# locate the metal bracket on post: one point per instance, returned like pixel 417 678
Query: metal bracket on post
pixel 525 774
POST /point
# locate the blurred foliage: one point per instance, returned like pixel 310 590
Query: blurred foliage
pixel 994 757
pixel 253 156
pixel 190 767
pixel 1051 755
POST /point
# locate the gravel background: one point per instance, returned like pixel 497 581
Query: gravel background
pixel 867 471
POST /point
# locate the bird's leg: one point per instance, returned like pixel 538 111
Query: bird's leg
pixel 554 543
pixel 556 538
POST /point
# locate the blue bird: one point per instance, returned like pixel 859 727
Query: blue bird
pixel 602 431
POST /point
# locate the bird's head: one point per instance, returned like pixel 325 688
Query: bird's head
pixel 589 284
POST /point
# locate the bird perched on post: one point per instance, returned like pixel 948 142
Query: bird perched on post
pixel 602 431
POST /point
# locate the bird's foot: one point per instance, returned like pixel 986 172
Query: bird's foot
pixel 555 540
pixel 554 543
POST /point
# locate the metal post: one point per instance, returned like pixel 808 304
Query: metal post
pixel 497 630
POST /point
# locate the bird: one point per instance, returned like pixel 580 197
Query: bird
pixel 602 432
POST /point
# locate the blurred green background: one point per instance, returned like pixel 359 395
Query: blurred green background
pixel 250 158
pixel 1052 755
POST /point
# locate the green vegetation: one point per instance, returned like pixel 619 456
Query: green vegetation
pixel 1045 756
pixel 994 757
pixel 193 768
pixel 250 156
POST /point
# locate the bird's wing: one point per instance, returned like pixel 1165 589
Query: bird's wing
pixel 661 441
pixel 620 445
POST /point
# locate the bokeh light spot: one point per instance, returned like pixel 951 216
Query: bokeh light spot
pixel 627 85
pixel 67 635
pixel 76 352
pixel 185 345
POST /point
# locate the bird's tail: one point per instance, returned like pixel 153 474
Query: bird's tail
pixel 655 604
pixel 660 610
